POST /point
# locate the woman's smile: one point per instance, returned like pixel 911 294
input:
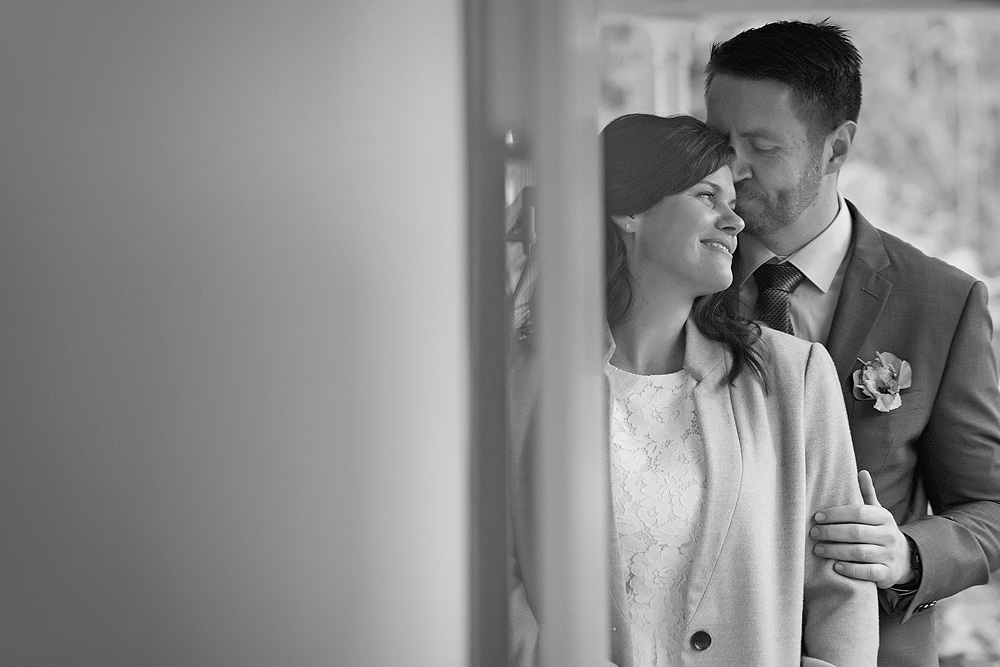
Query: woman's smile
pixel 726 246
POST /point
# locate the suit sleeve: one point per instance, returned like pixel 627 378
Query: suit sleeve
pixel 840 615
pixel 959 453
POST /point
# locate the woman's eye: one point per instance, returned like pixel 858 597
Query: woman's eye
pixel 766 150
pixel 707 194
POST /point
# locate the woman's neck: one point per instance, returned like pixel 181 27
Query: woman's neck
pixel 651 340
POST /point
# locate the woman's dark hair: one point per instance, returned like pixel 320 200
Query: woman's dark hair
pixel 647 158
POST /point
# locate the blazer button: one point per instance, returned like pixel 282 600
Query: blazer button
pixel 701 640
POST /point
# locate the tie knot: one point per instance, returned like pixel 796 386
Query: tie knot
pixel 784 277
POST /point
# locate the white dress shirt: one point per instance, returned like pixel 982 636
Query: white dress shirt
pixel 823 261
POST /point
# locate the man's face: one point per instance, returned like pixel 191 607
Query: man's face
pixel 778 169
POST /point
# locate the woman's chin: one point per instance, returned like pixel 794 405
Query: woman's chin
pixel 719 284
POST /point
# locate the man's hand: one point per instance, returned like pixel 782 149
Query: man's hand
pixel 864 540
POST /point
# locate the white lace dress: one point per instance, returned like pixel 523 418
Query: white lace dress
pixel 657 478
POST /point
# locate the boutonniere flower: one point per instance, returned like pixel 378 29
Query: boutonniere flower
pixel 882 379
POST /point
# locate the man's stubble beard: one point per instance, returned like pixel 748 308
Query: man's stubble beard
pixel 769 217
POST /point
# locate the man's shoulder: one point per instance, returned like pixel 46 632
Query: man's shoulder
pixel 908 256
pixel 909 263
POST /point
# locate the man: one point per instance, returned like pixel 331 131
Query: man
pixel 788 95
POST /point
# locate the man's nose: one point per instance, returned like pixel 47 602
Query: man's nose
pixel 740 167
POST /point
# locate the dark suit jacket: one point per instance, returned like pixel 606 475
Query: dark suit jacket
pixel 942 445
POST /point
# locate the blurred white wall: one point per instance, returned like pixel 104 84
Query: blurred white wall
pixel 233 349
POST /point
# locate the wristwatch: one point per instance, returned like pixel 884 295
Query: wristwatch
pixel 915 565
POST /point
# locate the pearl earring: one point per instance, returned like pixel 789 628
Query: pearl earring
pixel 628 227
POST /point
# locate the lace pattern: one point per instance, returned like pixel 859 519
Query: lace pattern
pixel 657 478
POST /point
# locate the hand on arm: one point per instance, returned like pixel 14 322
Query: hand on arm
pixel 864 540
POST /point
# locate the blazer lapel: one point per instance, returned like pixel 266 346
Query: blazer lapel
pixel 708 362
pixel 862 296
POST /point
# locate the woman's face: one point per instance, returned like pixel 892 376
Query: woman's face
pixel 687 240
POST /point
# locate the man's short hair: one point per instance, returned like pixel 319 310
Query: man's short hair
pixel 816 60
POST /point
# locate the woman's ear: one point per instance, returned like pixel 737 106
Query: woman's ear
pixel 840 145
pixel 627 223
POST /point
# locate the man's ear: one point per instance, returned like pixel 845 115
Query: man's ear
pixel 628 224
pixel 840 141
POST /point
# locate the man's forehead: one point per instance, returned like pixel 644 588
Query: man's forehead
pixel 752 108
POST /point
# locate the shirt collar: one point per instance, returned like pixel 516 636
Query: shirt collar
pixel 818 260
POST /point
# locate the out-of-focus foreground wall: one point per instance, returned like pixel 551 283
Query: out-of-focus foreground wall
pixel 233 349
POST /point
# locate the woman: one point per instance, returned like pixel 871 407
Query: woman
pixel 725 438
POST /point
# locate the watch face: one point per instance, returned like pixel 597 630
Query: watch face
pixel 914 560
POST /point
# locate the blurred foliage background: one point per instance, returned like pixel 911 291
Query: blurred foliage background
pixel 925 164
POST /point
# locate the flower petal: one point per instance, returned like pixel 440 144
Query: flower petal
pixel 905 375
pixel 889 359
pixel 871 386
pixel 859 389
pixel 887 402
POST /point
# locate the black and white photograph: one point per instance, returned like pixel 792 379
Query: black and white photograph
pixel 500 333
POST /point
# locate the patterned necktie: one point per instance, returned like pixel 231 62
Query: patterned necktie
pixel 775 283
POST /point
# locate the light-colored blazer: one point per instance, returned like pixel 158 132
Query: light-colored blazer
pixel 756 591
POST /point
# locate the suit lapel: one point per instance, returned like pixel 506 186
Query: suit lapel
pixel 862 296
pixel 708 362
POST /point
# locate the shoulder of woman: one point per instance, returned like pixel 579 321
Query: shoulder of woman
pixel 784 354
pixel 785 347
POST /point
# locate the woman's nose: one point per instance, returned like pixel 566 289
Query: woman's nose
pixel 729 221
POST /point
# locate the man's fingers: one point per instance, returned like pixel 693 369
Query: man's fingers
pixel 853 553
pixel 866 514
pixel 864 571
pixel 848 533
pixel 868 488
pixel 856 513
